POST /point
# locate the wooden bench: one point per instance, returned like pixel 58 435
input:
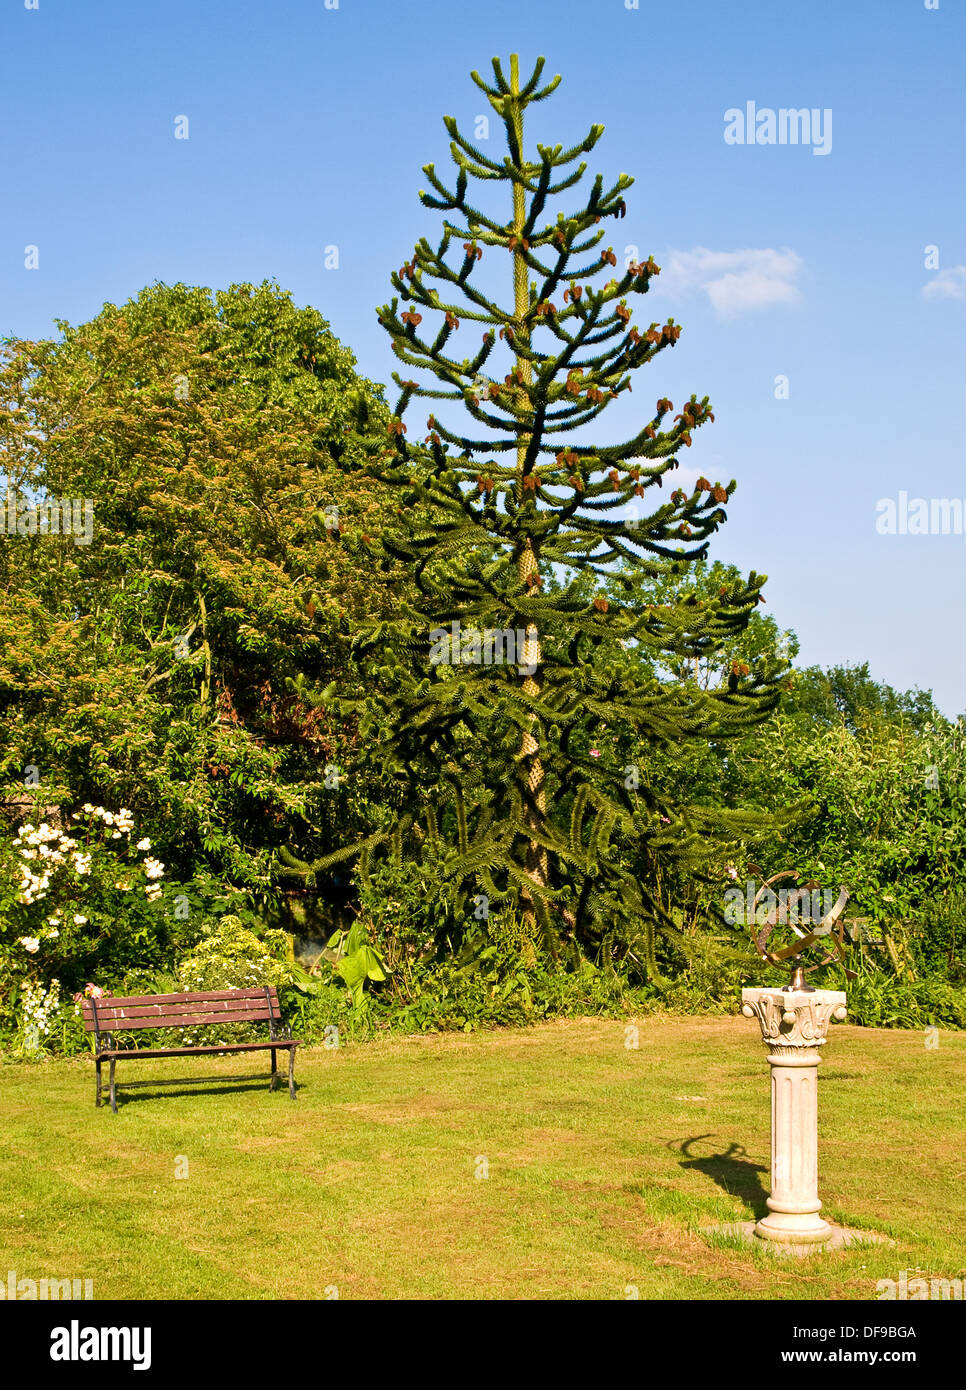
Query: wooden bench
pixel 106 1016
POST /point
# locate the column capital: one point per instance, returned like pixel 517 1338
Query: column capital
pixel 793 1020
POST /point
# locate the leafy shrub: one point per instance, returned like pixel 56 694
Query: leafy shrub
pixel 353 959
pixel 230 956
pixel 878 999
pixel 407 919
pixel 75 901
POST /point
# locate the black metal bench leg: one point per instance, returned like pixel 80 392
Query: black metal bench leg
pixel 113 1096
pixel 274 1081
pixel 98 1065
pixel 291 1072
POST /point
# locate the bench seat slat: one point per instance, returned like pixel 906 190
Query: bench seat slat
pixel 135 1052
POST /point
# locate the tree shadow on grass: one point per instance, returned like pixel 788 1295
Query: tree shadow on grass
pixel 732 1170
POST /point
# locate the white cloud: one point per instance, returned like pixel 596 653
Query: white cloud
pixel 682 476
pixel 735 281
pixel 948 284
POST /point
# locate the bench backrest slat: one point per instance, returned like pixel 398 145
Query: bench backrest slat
pixel 171 1012
pixel 109 1014
pixel 180 1020
pixel 206 996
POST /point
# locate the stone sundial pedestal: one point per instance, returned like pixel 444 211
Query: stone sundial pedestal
pixel 794 1026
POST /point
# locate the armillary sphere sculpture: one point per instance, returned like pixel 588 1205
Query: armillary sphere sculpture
pixel 793 910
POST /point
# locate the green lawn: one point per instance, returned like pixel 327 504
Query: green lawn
pixel 603 1165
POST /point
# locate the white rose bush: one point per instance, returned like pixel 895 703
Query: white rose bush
pixel 75 903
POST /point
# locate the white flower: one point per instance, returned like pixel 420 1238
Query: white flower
pixel 79 921
pixel 28 854
pixel 153 868
pixel 116 835
pixel 124 887
pixel 82 863
pixel 143 844
pixel 30 943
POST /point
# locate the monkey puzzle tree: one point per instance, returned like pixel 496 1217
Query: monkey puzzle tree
pixel 512 529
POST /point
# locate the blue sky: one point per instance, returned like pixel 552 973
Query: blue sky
pixel 308 127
